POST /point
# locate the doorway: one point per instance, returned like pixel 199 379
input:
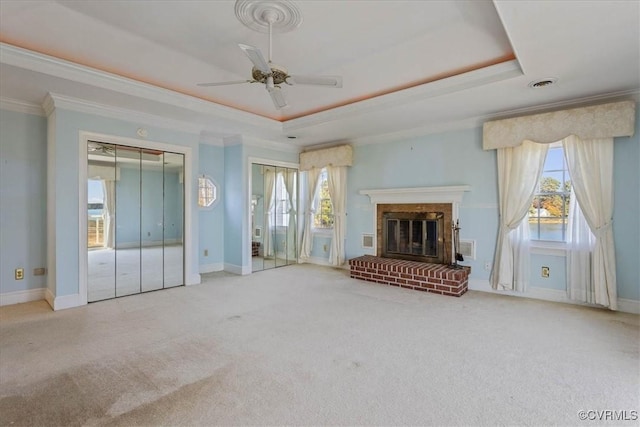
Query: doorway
pixel 135 220
pixel 274 220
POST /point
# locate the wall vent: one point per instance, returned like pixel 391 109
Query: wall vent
pixel 367 241
pixel 468 248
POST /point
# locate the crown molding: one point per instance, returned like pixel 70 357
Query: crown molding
pixel 477 121
pixel 21 106
pixel 67 70
pixel 273 145
pixel 210 138
pixel 53 101
pixel 482 76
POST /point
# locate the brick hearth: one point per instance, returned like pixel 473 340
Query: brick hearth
pixel 437 278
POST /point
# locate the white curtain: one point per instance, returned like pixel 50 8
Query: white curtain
pixel 519 170
pixel 313 175
pixel 337 184
pixel 580 244
pixel 290 185
pixel 269 193
pixel 590 164
pixel 109 212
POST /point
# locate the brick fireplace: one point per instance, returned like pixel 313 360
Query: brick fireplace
pixel 414 240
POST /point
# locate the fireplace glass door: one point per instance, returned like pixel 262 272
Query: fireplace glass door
pixel 414 236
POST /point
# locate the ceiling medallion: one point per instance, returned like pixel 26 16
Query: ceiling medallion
pixel 283 15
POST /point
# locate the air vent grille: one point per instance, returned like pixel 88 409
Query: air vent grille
pixel 468 249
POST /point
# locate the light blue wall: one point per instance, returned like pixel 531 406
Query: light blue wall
pixel 457 158
pixel 212 220
pixel 626 214
pixel 68 124
pixel 452 158
pixel 23 173
pixel 235 205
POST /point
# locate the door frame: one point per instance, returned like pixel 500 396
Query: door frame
pixel 83 173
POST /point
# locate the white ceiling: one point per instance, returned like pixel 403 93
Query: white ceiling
pixel 409 67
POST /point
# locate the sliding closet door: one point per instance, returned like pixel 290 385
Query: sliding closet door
pixel 151 212
pixel 135 220
pixel 101 256
pixel 257 217
pixel 128 224
pixel 274 201
pixel 173 220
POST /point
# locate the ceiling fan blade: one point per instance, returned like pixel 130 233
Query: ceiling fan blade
pixel 256 57
pixel 233 82
pixel 278 98
pixel 328 81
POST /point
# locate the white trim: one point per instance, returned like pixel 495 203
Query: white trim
pixel 485 75
pixel 237 269
pixel 554 295
pixel 118 113
pixel 190 277
pixel 193 279
pixel 276 163
pixel 19 297
pixel 210 268
pixel 63 302
pixel 447 194
pixel 252 141
pixel 542 247
pixel 629 305
pixel 317 261
pixel 19 106
pixel 45 64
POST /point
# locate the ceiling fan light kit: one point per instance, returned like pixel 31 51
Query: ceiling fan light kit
pixel 266 17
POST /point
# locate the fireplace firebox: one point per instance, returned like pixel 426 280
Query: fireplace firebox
pixel 416 236
pixel 414 232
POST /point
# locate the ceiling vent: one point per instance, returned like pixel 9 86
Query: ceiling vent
pixel 537 84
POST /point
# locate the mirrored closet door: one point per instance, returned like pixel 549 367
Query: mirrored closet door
pixel 135 220
pixel 274 200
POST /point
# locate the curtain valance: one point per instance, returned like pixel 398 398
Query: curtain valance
pixel 334 156
pixel 597 121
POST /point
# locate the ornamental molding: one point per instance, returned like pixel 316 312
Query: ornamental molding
pixel 448 194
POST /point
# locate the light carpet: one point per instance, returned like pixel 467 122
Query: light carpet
pixel 307 345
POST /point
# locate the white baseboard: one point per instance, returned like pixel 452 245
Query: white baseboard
pixel 555 295
pixel 194 279
pixel 210 268
pixel 18 297
pixel 237 269
pixel 63 302
pixel 317 261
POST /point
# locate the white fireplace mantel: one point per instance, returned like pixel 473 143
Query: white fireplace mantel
pixel 449 194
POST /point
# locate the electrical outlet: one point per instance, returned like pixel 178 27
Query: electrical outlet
pixel 545 272
pixel 148 234
pixel 487 265
pixel 206 252
pixel 324 248
pixel 19 273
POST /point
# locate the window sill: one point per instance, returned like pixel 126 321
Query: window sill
pixel 545 247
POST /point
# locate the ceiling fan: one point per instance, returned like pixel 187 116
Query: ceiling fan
pixel 266 72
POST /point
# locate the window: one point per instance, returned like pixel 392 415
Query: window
pixel 550 208
pixel 207 192
pixel 323 217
